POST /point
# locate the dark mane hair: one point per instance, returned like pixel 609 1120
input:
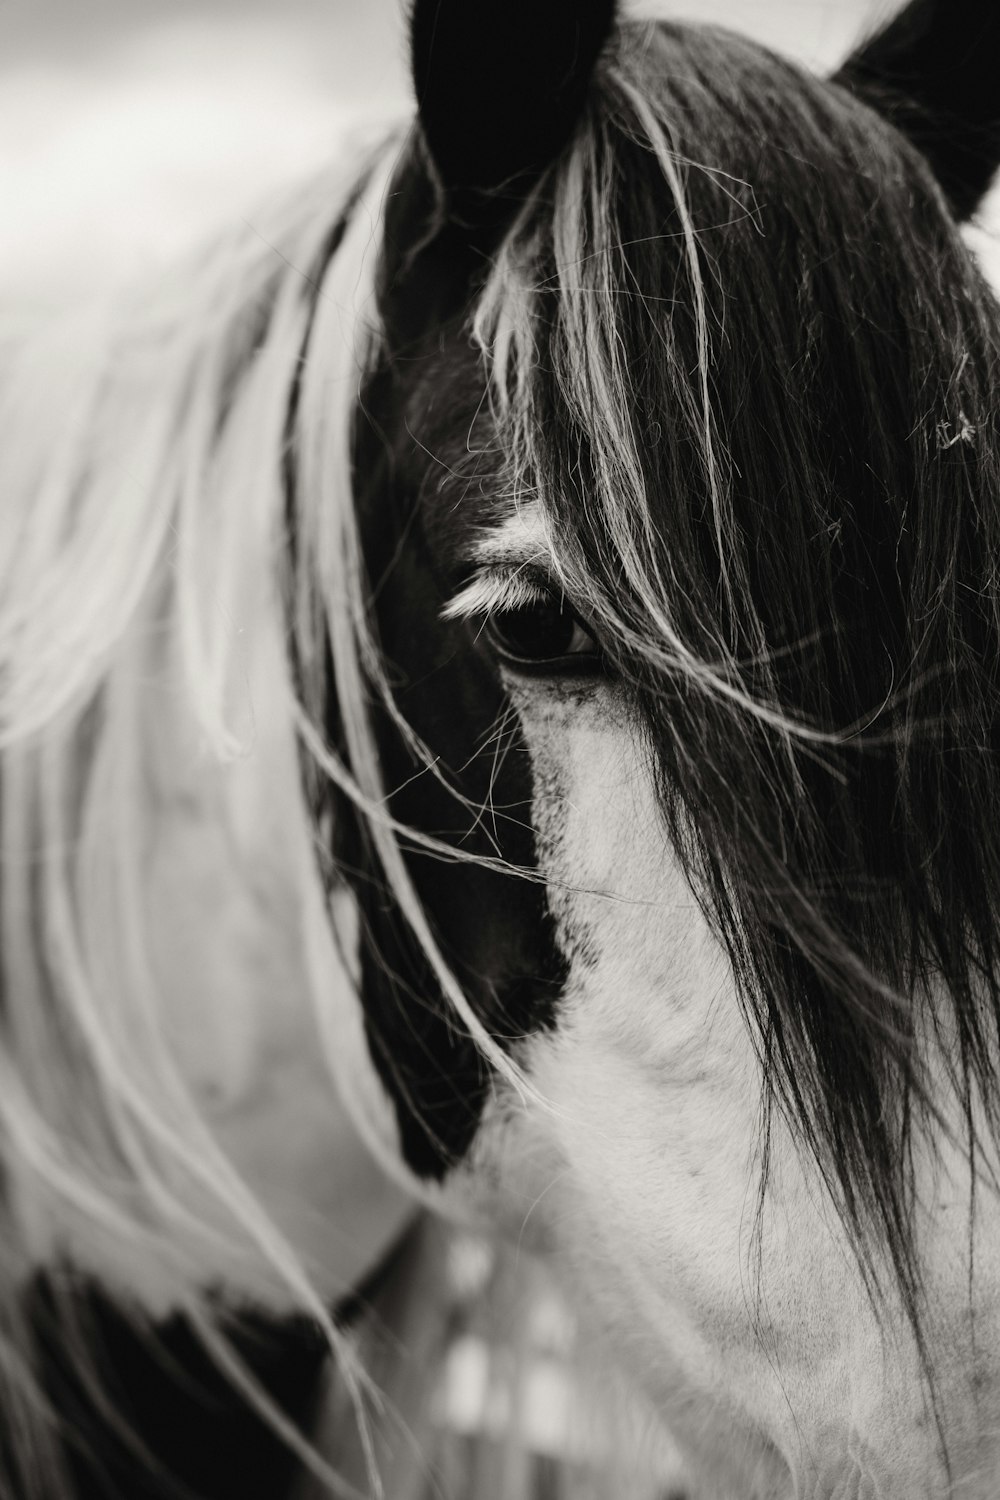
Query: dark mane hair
pixel 748 368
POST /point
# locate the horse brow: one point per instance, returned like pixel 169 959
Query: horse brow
pixel 520 539
pixel 509 565
pixel 513 584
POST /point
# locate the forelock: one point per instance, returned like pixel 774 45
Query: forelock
pixel 745 366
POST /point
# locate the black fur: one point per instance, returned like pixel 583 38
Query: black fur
pixel 500 86
pixel 500 89
pixel 145 1411
pixel 934 71
pixel 418 493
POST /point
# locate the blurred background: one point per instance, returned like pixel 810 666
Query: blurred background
pixel 129 128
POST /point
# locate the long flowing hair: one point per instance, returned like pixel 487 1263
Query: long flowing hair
pixel 153 527
pixel 747 367
pixel 143 494
pixel 740 358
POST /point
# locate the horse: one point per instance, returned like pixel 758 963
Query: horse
pixel 499 748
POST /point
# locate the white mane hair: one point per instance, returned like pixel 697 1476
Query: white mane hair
pixel 140 556
pixel 144 586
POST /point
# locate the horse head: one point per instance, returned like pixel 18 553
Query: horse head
pixel 674 468
pixel 499 716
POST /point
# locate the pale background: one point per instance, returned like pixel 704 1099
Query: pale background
pixel 129 128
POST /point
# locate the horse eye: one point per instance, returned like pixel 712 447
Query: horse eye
pixel 544 636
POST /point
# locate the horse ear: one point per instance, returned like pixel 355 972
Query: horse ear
pixel 934 71
pixel 500 85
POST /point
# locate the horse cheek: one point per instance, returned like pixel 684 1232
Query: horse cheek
pixel 650 1067
pixel 640 1170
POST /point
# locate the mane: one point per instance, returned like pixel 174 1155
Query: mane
pixel 759 423
pixel 143 485
pixel 794 579
pixel 177 473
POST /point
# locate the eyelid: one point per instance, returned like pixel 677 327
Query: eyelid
pixel 497 589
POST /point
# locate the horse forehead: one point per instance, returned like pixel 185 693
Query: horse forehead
pixel 447 443
pixel 471 511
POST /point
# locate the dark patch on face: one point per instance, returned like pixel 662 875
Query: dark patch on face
pixel 421 498
pixel 143 1410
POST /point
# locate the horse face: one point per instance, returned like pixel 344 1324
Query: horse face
pixel 636 1163
pixel 630 917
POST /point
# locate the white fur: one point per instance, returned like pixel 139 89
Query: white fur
pixel 763 1357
